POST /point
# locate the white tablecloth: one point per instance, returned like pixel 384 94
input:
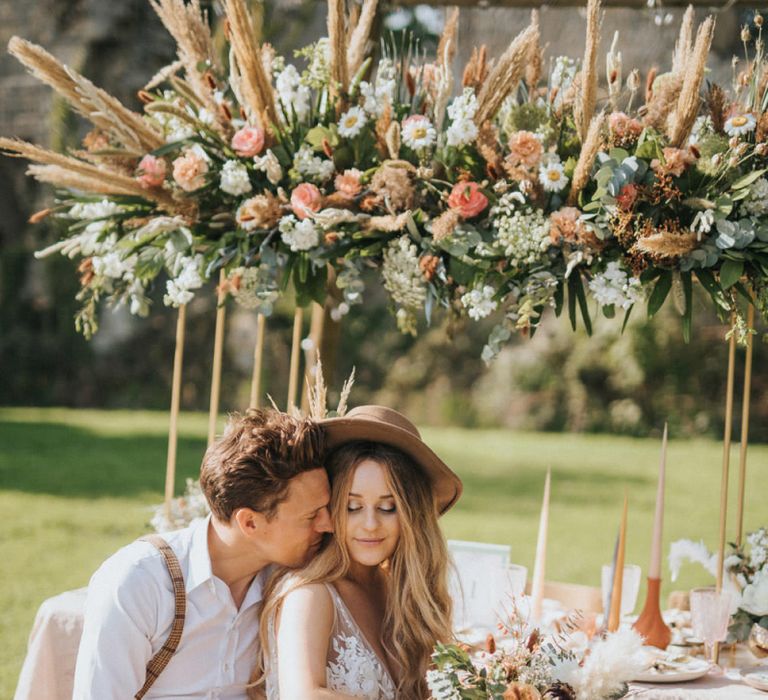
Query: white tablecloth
pixel 49 668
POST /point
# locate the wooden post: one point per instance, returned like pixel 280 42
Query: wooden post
pixel 258 357
pixel 218 350
pixel 726 465
pixel 293 377
pixel 173 430
pixel 316 327
pixel 745 400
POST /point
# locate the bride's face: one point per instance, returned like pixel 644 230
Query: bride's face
pixel 373 524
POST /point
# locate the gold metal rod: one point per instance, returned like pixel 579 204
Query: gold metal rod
pixel 258 358
pixel 218 351
pixel 173 429
pixel 745 401
pixel 293 377
pixel 726 463
pixel 310 354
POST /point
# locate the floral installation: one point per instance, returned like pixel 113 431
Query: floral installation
pixel 529 665
pixel 746 569
pixel 517 191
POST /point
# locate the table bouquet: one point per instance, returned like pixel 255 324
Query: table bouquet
pixel 746 569
pixel 521 189
pixel 531 665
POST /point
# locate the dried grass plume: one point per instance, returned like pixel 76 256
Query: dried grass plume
pixel 585 106
pixel 589 150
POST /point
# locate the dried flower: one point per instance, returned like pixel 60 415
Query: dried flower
pixel 259 212
pixel 348 183
pixel 393 183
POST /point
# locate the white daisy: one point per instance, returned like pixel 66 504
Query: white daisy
pixel 740 124
pixel 352 122
pixel 552 176
pixel 418 132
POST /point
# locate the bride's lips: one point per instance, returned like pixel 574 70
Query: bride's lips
pixel 369 542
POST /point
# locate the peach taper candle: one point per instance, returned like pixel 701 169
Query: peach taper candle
pixel 540 563
pixel 614 617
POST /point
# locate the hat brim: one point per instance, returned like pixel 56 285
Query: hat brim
pixel 445 482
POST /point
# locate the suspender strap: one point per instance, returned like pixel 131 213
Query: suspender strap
pixel 160 660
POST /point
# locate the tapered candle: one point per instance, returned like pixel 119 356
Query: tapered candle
pixel 614 617
pixel 654 570
pixel 540 563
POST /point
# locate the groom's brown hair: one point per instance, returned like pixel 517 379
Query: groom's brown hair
pixel 251 465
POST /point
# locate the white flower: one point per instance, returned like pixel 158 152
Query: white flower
pixel 269 164
pixel 523 236
pixel 94 210
pixel 552 176
pixel 418 132
pixel 461 112
pixel 112 265
pixel 754 598
pixel 292 95
pixel 401 274
pixel 740 124
pixel 441 686
pixel 234 178
pixel 616 287
pixel 757 202
pixel 703 222
pixel 480 302
pixel 312 166
pixel 299 235
pixel 352 122
pixel 188 278
pixel 379 95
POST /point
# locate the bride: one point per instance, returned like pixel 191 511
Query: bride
pixel 360 621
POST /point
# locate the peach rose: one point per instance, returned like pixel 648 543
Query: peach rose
pixel 348 183
pixel 151 171
pixel 189 171
pixel 566 226
pixel 524 149
pixel 624 126
pixel 676 161
pixel 305 200
pixel 467 199
pixel 248 141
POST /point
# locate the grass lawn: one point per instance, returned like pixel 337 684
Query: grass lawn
pixel 76 485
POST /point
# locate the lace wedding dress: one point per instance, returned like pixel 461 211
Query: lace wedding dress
pixel 352 667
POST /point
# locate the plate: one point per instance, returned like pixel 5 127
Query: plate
pixel 757 679
pixel 685 672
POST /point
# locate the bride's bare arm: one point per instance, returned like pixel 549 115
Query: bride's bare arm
pixel 303 633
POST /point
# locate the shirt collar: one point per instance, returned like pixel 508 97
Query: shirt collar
pixel 256 589
pixel 199 557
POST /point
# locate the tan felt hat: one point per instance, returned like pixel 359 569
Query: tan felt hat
pixel 387 426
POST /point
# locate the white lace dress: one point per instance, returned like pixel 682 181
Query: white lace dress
pixel 352 667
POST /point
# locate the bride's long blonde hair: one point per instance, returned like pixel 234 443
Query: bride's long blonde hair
pixel 418 611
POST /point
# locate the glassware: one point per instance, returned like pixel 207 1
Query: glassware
pixel 518 577
pixel 630 587
pixel 710 614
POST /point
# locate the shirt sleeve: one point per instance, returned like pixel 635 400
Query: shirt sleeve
pixel 121 618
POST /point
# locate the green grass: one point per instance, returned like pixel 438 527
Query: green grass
pixel 76 485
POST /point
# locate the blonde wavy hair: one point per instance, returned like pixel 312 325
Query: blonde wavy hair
pixel 418 612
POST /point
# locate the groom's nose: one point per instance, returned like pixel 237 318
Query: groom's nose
pixel 323 521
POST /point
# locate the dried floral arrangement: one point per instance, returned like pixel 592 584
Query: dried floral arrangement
pixel 529 665
pixel 521 189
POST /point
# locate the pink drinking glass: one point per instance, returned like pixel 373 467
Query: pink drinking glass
pixel 710 615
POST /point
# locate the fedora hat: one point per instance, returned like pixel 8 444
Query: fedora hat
pixel 387 426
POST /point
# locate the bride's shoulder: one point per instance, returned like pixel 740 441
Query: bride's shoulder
pixel 313 597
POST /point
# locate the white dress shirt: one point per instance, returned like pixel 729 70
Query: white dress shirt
pixel 128 617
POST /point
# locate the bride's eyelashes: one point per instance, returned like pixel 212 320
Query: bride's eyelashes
pixel 383 509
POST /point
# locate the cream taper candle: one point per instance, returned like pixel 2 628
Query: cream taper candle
pixel 540 563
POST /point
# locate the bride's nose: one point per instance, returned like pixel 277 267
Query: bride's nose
pixel 371 521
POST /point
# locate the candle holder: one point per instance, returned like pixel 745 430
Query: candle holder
pixel 650 624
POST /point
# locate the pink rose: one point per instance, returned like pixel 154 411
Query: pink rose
pixel 248 141
pixel 151 171
pixel 348 183
pixel 467 199
pixel 524 149
pixel 189 171
pixel 623 126
pixel 305 200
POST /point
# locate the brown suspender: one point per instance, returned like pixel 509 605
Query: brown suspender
pixel 160 660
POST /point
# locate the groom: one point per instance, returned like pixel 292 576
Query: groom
pixel 184 623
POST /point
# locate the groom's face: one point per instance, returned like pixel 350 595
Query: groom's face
pixel 296 532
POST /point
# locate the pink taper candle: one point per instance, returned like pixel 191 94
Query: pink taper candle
pixel 654 571
pixel 540 563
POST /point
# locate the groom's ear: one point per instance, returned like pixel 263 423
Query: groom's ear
pixel 250 522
